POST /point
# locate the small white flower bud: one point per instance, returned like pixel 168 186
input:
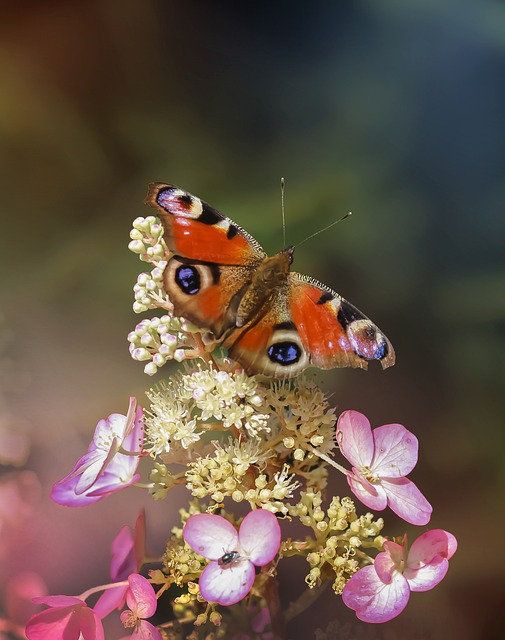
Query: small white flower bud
pixel 137 246
pixel 150 369
pixel 159 360
pixel 141 354
pixel 179 355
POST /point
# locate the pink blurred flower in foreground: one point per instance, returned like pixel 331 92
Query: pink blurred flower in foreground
pixel 104 470
pixel 379 592
pixel 66 619
pixel 20 591
pixel 141 601
pixel 234 555
pixel 380 461
pixel 128 554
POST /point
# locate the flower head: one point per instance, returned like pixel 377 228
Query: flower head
pixel 381 459
pixel 379 592
pixel 104 470
pixel 66 619
pixel 141 601
pixel 234 555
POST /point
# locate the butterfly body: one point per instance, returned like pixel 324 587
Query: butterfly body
pixel 272 321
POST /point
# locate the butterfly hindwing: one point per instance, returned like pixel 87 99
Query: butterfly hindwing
pixel 270 344
pixel 335 333
pixel 206 294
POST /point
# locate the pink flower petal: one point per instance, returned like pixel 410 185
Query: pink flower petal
pixel 134 437
pixel 407 501
pixel 140 597
pixel 91 626
pixel 109 600
pixel 260 536
pixel 436 542
pixel 57 624
pixel 371 495
pixel 354 437
pixel 123 561
pixel 66 622
pixel 396 451
pixel 146 631
pixel 428 576
pixel 210 535
pixel 372 599
pixel 428 559
pixel 384 566
pixel 227 585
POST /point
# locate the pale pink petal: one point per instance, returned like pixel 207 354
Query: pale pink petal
pixel 397 552
pixel 140 597
pixel 109 428
pixel 146 631
pixel 209 535
pixel 134 439
pixel 436 542
pixel 371 495
pixel 372 599
pixel 139 539
pixel 384 566
pixel 65 622
pixel 354 437
pixel 109 600
pixel 407 501
pixel 260 536
pixel 396 451
pixel 91 625
pixel 58 624
pixel 427 576
pixel 123 561
pixel 227 585
pixel 428 559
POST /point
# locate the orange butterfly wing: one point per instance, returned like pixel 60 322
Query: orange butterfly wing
pixel 195 230
pixel 334 332
pixel 213 258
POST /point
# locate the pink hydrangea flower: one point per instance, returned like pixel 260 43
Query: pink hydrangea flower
pixel 380 461
pixel 379 592
pixel 141 601
pixel 66 619
pixel 127 557
pixel 104 470
pixel 234 555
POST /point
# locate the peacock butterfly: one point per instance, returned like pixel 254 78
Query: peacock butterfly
pixel 273 321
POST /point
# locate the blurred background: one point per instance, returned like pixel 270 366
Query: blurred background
pixel 394 110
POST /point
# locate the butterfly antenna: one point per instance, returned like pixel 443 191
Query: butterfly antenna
pixel 325 228
pixel 283 213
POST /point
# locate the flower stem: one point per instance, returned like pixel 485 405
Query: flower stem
pixel 307 599
pixel 274 606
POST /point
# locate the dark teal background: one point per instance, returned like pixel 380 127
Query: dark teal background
pixel 394 110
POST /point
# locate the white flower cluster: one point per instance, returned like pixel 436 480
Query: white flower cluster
pixel 205 400
pixel 147 240
pixel 158 340
pixel 148 290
